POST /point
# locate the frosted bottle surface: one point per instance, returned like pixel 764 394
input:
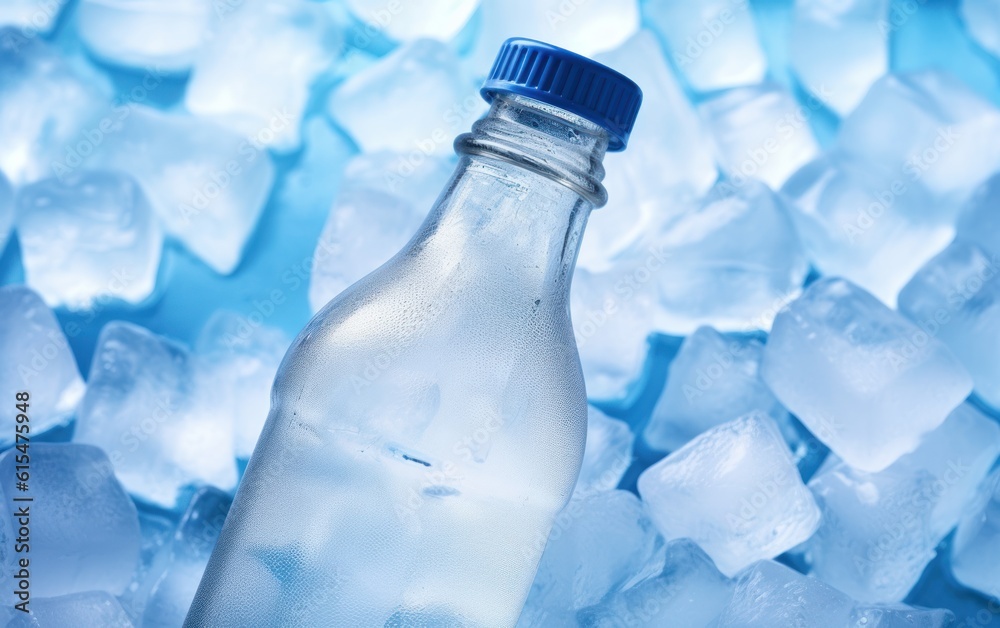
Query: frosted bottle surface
pixel 429 423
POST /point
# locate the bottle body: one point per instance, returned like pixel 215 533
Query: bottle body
pixel 429 423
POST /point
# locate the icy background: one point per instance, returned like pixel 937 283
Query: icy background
pixel 793 290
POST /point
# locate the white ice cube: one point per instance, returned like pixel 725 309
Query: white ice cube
pixel 839 48
pixel 255 73
pixel 713 379
pixel 89 236
pixel 956 297
pixel 165 34
pixel 402 21
pixel 731 261
pixel 864 379
pixel 422 82
pixel 383 200
pixel 146 406
pixel 759 132
pixel 39 362
pixel 713 43
pixel 83 528
pixel 669 158
pixel 735 491
pixel 206 183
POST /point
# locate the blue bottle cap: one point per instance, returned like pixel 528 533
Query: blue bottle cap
pixel 569 81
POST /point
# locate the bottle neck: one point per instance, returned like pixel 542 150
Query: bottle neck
pixel 517 206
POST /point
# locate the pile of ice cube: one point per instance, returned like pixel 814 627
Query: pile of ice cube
pixel 819 220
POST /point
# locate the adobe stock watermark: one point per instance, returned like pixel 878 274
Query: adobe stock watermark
pixel 712 28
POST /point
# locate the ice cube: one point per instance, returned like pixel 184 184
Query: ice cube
pixel 207 184
pixel 89 236
pixel 586 28
pixel 384 198
pixel 613 313
pixel 771 594
pixel 255 72
pixel 599 543
pixel 980 221
pixel 309 189
pixel 730 262
pixel 156 529
pixel 243 357
pixel 608 454
pixel 184 560
pixel 689 592
pixel 39 362
pixel 91 609
pixel 84 530
pixel 6 210
pixel 44 107
pixel 34 17
pixel 735 491
pixel 982 18
pixel 438 19
pixel 900 616
pixel 927 128
pixel 669 157
pixel 759 132
pixel 976 545
pixel 866 381
pixel 165 34
pixel 713 379
pixel 859 223
pixel 839 48
pixel 145 406
pixel 713 43
pixel 424 83
pixel 956 297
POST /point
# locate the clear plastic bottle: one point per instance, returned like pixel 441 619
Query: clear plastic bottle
pixel 428 424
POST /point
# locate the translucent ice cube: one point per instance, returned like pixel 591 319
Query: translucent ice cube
pixel 84 530
pixel 165 34
pixel 860 223
pixel 864 380
pixel 39 361
pixel 980 221
pixel 384 198
pixel 438 19
pixel 977 543
pixel 926 127
pixel 771 594
pixel 735 491
pixel 207 184
pixel 713 43
pixel 608 454
pixel 759 132
pixel 88 236
pixel 255 72
pixel 956 297
pixel 243 358
pixel 182 562
pixel 838 48
pixel 586 28
pixel 613 314
pixel 44 106
pixel 713 379
pixel 982 18
pixel 599 543
pixel 731 262
pixel 689 592
pixel 144 405
pixel 6 210
pixel 92 609
pixel 876 537
pixel 900 616
pixel 668 157
pixel 32 16
pixel 422 82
